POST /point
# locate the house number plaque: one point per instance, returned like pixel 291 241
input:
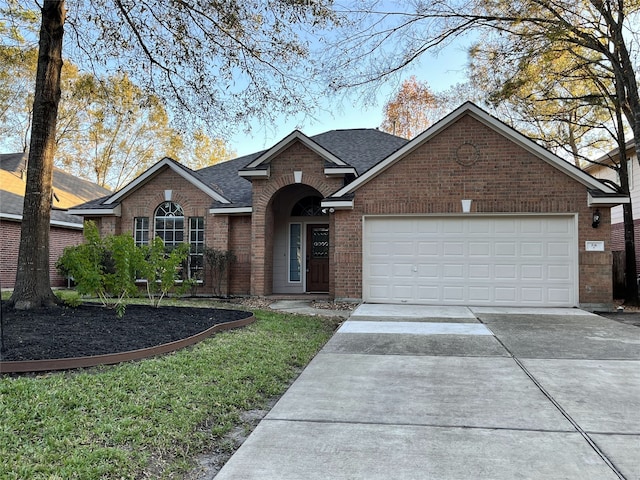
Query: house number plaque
pixel 594 246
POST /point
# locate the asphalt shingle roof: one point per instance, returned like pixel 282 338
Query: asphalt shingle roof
pixel 359 148
pixel 68 189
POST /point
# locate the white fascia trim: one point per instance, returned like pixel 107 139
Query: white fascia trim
pixel 329 171
pixel 101 212
pixel 263 173
pixel 606 201
pixel 470 108
pixel 288 140
pixel 75 226
pixel 166 162
pixel 231 210
pixel 342 204
pixel 56 223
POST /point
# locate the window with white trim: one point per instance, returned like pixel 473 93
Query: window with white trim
pixel 141 230
pixel 196 248
pixel 169 224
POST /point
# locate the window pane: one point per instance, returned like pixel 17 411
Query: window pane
pixel 141 230
pixel 295 252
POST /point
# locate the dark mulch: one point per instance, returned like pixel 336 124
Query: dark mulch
pixel 629 318
pixel 87 330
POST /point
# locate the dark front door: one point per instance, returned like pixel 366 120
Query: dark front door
pixel 317 258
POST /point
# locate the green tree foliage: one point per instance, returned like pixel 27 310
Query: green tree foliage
pixel 382 38
pixel 161 269
pixel 221 62
pixel 560 99
pixel 109 130
pixel 111 268
pixel 106 269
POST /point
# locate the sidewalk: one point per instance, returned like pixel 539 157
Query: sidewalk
pixel 405 392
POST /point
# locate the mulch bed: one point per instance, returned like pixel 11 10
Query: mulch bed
pixel 88 330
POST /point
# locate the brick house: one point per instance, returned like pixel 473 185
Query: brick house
pixel 468 212
pixel 602 172
pixel 65 230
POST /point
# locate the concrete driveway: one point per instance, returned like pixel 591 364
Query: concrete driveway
pixel 407 392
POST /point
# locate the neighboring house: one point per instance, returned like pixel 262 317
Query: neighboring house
pixel 470 212
pixel 65 229
pixel 603 172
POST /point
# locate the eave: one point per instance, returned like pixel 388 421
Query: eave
pixel 231 210
pixel 114 211
pixel 597 199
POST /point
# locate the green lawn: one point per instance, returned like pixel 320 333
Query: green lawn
pixel 149 419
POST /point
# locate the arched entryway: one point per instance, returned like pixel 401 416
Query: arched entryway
pixel 300 242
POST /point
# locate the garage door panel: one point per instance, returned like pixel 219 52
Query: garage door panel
pixel 532 272
pixel 558 249
pixel 479 294
pixel 505 272
pixel 428 294
pixel 429 271
pixel 531 249
pixel 505 249
pixel 380 249
pixel 484 260
pixel 402 270
pixel 533 295
pixel 479 272
pixel 558 272
pixel 427 249
pixel 479 249
pixel 403 248
pixel 452 271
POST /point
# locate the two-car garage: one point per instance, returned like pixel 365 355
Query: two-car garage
pixel 523 260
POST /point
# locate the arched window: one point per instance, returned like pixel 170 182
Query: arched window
pixel 169 224
pixel 308 207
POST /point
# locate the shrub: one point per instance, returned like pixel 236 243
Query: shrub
pixel 161 268
pixel 109 268
pixel 218 261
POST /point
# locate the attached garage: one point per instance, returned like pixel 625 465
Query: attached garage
pixel 510 260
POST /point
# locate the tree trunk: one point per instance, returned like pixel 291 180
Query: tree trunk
pixel 33 287
pixel 631 274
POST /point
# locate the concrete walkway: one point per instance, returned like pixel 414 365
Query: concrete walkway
pixel 406 392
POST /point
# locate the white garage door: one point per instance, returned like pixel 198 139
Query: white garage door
pixel 502 260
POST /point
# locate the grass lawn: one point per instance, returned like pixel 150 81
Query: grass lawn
pixel 150 419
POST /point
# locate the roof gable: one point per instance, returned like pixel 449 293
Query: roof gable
pixel 188 174
pixel 261 163
pixel 482 116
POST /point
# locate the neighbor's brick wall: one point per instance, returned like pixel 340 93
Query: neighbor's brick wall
pixel 505 179
pixel 59 238
pixel 295 158
pixel 617 239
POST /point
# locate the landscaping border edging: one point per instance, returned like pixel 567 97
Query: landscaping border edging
pixel 25 366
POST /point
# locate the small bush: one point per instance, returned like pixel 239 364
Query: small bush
pixel 219 261
pixel 109 268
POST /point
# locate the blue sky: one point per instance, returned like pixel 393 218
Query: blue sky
pixel 440 72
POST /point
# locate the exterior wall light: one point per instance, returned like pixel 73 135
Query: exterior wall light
pixel 596 219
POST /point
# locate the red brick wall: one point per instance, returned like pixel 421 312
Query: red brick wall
pixel 240 245
pixel 505 179
pixel 295 158
pixel 59 238
pixel 195 203
pixel 617 240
